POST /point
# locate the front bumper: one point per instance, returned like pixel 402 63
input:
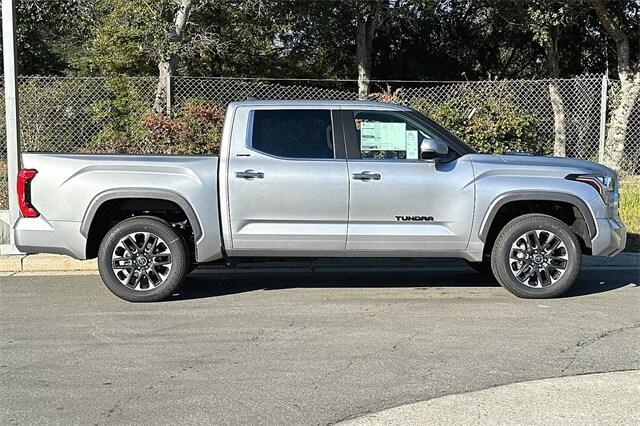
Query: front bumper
pixel 611 237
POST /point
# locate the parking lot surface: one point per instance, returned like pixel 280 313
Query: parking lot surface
pixel 298 347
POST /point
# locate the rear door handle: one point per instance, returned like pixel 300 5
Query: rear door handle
pixel 367 176
pixel 250 174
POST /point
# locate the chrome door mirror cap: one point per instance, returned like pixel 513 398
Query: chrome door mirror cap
pixel 432 149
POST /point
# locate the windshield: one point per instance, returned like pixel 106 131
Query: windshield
pixel 444 134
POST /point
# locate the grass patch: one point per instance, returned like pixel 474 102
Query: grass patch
pixel 630 211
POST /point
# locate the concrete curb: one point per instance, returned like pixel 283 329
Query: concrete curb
pixel 601 398
pixel 36 263
pixel 45 263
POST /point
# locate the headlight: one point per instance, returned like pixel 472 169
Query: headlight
pixel 605 185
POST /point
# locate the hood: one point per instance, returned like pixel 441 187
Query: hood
pixel 552 165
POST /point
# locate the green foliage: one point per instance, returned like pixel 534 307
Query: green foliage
pixel 546 14
pixel 478 39
pixel 48 33
pixel 120 116
pixel 487 122
pixel 129 38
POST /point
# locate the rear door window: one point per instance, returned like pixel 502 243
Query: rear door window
pixel 293 133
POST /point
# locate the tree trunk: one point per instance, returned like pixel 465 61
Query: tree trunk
pixel 557 103
pixel 614 153
pixel 166 69
pixel 364 44
pixel 629 88
pixel 167 66
pixel 559 122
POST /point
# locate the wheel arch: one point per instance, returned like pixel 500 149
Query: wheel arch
pixel 544 199
pixel 126 194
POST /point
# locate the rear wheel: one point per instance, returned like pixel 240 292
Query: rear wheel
pixel 143 259
pixel 536 256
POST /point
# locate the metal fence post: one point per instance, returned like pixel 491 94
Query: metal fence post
pixel 11 109
pixel 603 118
pixel 169 92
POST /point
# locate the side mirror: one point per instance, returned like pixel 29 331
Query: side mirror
pixel 432 149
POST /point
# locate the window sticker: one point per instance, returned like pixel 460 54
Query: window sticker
pixel 412 144
pixel 375 136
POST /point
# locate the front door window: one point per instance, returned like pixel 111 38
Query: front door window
pixel 386 136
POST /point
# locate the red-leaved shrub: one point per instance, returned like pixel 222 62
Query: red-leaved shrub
pixel 195 129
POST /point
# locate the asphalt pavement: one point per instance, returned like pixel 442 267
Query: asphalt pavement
pixel 301 347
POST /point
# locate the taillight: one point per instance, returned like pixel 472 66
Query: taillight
pixel 25 176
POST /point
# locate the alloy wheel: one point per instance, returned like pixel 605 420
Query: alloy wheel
pixel 538 258
pixel 141 261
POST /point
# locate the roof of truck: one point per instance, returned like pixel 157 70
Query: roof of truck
pixel 323 103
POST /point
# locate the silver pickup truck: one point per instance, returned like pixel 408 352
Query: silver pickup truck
pixel 310 179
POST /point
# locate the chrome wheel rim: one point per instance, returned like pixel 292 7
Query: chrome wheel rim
pixel 538 258
pixel 141 261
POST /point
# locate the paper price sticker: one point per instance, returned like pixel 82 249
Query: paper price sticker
pixel 383 136
pixel 412 144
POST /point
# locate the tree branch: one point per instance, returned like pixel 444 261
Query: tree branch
pixel 181 19
pixel 608 22
pixel 617 32
pixel 553 61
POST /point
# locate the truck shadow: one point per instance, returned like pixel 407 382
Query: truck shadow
pixel 214 283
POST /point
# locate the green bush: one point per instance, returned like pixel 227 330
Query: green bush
pixel 129 126
pixel 120 117
pixel 487 122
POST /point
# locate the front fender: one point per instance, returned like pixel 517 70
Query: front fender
pixel 528 195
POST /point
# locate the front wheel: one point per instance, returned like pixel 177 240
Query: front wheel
pixel 536 256
pixel 143 259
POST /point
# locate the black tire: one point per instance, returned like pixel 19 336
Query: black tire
pixel 176 253
pixel 503 264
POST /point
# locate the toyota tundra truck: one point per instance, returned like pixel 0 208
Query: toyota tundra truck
pixel 318 179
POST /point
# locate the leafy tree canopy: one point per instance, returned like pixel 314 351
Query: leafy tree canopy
pixel 413 39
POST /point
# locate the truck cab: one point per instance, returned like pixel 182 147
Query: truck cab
pixel 299 178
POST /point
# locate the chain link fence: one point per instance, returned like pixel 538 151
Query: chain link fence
pixel 96 114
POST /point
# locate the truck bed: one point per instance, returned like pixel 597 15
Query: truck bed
pixel 68 188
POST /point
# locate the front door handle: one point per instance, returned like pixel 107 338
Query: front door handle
pixel 250 174
pixel 367 176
